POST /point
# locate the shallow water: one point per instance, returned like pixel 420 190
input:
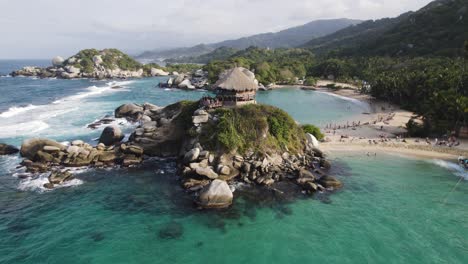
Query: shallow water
pixel 391 210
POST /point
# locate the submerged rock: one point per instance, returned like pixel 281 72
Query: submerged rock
pixel 172 230
pixel 330 182
pixel 216 195
pixel 8 149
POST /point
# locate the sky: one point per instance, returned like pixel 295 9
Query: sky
pixel 47 28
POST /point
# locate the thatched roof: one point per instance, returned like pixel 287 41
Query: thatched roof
pixel 238 79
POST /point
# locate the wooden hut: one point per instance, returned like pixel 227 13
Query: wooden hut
pixel 236 87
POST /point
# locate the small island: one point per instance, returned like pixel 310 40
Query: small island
pixel 95 64
pixel 217 142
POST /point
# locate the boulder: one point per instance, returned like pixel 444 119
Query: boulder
pixel 58 177
pixel 158 72
pixel 111 135
pixel 224 170
pixel 8 149
pixel 179 79
pixel 200 119
pixel 303 173
pixel 192 155
pixel 97 59
pixel 30 147
pixel 72 69
pixel 57 61
pixel 312 140
pixel 77 142
pixel 216 195
pixel 130 111
pixel 330 182
pixel 186 84
pixel 207 172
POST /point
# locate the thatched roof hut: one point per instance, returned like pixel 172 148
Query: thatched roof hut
pixel 238 79
pixel 236 87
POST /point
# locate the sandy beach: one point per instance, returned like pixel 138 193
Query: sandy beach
pixel 381 129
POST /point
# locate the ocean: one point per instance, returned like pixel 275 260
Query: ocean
pixel 392 209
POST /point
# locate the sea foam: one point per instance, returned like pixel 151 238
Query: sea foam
pixel 36 183
pixel 30 119
pixel 15 110
pixel 454 168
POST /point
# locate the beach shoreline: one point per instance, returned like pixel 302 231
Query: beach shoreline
pixel 380 130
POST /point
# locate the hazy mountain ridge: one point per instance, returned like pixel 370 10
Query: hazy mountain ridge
pixel 287 38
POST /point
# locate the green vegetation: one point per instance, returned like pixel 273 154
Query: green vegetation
pixel 310 81
pixel 437 29
pixel 261 128
pixel 181 68
pixel 280 65
pixel 111 59
pixel 221 53
pixel 311 129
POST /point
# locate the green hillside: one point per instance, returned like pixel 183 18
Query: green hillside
pixel 438 29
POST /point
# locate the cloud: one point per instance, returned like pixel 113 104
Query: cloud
pixel 45 28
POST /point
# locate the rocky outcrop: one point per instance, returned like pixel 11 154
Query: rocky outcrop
pixel 42 155
pixel 164 133
pixel 216 195
pixel 8 149
pixel 206 170
pixel 194 80
pixel 111 135
pixel 91 63
pixel 136 112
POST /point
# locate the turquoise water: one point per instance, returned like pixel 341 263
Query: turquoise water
pixel 391 210
pixel 311 107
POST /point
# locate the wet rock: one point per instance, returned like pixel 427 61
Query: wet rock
pixel 111 135
pixel 58 177
pixel 8 149
pixel 192 155
pixel 330 182
pixel 303 173
pixel 129 111
pixel 216 195
pixel 48 185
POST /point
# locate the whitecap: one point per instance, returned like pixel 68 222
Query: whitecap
pixel 26 128
pixel 15 110
pixel 36 183
pixel 454 168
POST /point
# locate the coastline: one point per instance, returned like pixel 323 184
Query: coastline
pixel 382 129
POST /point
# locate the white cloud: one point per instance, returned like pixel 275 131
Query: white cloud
pixel 44 28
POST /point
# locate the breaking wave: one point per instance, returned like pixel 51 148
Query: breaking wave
pixel 454 168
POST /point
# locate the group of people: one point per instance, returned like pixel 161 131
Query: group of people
pixel 450 142
pixel 210 102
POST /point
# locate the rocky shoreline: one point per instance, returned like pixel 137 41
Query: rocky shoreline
pixel 174 131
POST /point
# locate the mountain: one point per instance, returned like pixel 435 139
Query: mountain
pixel 291 37
pixel 288 38
pixel 161 55
pixel 220 53
pixel 440 28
